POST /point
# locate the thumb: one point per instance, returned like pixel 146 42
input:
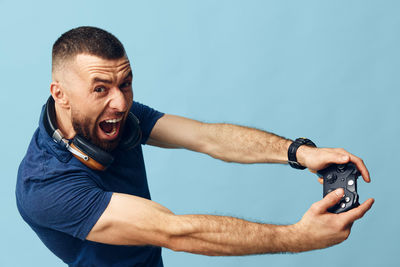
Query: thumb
pixel 333 157
pixel 331 199
pixel 343 159
pixel 338 158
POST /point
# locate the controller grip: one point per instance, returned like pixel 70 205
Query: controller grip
pixel 341 176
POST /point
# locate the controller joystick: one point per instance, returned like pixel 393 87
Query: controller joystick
pixel 341 176
pixel 331 178
pixel 341 167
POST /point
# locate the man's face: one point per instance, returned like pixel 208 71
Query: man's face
pixel 100 96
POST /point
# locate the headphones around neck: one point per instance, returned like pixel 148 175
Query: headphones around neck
pixel 88 153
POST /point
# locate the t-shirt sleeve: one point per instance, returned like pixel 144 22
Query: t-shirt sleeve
pixel 147 117
pixel 70 203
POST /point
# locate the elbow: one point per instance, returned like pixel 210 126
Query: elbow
pixel 221 156
pixel 174 245
pixel 176 234
pixel 181 244
pixel 216 151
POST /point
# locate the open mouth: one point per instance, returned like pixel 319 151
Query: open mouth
pixel 110 127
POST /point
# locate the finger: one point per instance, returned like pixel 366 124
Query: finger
pixel 329 200
pixel 321 181
pixel 361 167
pixel 358 212
pixel 337 157
pixel 341 157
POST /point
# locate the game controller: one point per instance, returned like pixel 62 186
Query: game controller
pixel 344 176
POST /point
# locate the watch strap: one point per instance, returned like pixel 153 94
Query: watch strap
pixel 293 150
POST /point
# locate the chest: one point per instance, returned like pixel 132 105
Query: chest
pixel 127 174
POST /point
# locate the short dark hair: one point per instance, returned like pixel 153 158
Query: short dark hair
pixel 86 40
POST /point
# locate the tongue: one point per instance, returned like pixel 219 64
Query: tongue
pixel 106 127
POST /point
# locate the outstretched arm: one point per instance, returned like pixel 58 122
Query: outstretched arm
pixel 130 220
pixel 233 143
pixel 228 142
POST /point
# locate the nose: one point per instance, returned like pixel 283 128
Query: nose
pixel 118 100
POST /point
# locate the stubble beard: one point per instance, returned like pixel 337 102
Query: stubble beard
pixel 82 127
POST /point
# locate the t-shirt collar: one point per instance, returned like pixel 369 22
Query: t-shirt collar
pixel 54 148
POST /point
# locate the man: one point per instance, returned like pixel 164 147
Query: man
pixel 100 213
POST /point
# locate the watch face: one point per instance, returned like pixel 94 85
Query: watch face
pixel 305 141
pixel 302 140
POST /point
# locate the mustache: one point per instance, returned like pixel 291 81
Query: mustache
pixel 84 127
pixel 115 113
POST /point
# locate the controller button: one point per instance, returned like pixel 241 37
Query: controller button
pixel 343 205
pixel 331 178
pixel 347 199
pixel 341 167
pixel 350 182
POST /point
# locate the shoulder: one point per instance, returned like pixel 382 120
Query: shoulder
pixel 144 112
pixel 43 180
pixel 147 118
pixel 69 201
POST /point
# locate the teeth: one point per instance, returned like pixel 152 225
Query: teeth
pixel 114 120
pixel 113 131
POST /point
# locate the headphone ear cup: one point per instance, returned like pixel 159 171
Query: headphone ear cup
pixel 49 117
pixel 132 133
pixel 98 158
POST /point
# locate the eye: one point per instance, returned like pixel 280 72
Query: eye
pixel 126 85
pixel 100 89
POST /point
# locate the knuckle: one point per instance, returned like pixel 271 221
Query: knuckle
pixel 341 234
pixel 346 234
pixel 360 215
pixel 358 212
pixel 338 227
pixel 314 207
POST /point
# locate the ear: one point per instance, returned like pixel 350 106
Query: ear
pixel 59 96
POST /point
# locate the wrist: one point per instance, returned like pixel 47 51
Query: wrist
pixel 282 238
pixel 297 159
pixel 303 153
pixel 301 238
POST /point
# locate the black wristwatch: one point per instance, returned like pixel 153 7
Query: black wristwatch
pixel 293 150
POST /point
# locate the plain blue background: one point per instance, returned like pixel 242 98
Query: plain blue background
pixel 327 70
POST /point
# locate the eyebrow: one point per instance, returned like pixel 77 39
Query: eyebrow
pixel 100 80
pixel 129 75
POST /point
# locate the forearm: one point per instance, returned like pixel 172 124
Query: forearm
pixel 233 143
pixel 218 235
pixel 131 220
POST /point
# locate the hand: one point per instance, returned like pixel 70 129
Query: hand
pixel 319 228
pixel 316 159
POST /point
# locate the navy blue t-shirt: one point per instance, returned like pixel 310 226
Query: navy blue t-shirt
pixel 61 199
